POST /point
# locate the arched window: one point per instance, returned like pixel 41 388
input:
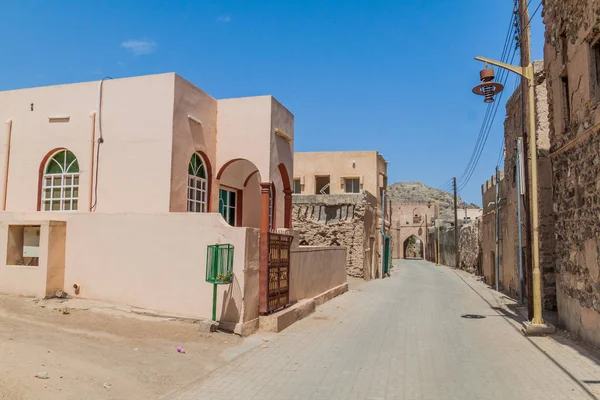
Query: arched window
pixel 60 184
pixel 197 185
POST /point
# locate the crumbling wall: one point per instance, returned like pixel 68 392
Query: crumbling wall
pixel 468 242
pixel 574 26
pixel 470 247
pixel 345 220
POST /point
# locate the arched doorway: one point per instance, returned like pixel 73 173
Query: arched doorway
pixel 413 248
pixel 239 193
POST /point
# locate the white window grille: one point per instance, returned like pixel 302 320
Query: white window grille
pixel 60 183
pixel 197 185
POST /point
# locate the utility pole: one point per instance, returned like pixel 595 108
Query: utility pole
pixel 497 238
pixel 456 229
pixel 520 236
pixel 533 181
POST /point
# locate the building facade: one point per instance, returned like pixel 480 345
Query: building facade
pixel 75 148
pixel 337 201
pixel 572 62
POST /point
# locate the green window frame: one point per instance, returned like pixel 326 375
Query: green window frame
pixel 228 205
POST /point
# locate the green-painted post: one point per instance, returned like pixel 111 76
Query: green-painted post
pixel 214 310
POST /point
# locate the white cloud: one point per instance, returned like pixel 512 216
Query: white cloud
pixel 139 47
pixel 224 18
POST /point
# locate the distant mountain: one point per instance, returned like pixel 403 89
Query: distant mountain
pixel 418 192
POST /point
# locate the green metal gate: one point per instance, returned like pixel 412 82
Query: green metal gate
pixel 387 255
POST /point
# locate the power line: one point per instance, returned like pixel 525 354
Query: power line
pixel 481 139
pixel 489 127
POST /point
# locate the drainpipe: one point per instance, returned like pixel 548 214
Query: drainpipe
pixel 6 163
pixel 93 119
pixel 382 231
pixel 497 226
pixel 519 223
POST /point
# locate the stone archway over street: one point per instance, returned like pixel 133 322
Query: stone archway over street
pixel 413 248
pixel 409 226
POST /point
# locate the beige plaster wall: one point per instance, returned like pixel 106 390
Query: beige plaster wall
pixel 338 164
pixel 315 270
pixel 282 152
pixel 137 121
pixel 190 137
pixel 156 261
pixel 244 126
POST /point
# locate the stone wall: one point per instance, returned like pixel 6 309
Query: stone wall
pixel 572 31
pixel 345 220
pixel 468 242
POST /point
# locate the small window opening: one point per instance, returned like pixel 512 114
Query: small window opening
pixel 297 186
pixel 566 108
pixel 322 185
pixel 595 69
pixel 23 246
pixel 352 185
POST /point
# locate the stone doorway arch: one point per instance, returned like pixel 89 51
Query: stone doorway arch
pixel 413 248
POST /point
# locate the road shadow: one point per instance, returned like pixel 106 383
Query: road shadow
pixel 510 314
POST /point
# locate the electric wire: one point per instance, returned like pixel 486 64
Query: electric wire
pixel 482 139
pixel 488 128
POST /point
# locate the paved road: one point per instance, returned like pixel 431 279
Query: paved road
pixel 400 338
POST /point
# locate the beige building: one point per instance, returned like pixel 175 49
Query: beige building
pixel 339 172
pixel 572 62
pixel 337 201
pixel 114 190
pixel 508 217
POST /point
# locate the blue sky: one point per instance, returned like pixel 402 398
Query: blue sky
pixel 393 76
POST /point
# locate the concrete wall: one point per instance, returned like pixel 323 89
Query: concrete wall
pixel 315 270
pixel 574 146
pixel 156 261
pixel 349 220
pixel 137 124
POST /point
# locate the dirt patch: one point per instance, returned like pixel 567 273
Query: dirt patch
pixel 99 356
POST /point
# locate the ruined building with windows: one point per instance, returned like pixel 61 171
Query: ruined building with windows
pixel 572 63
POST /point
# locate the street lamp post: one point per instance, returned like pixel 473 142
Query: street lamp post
pixel 488 89
pixel 437 222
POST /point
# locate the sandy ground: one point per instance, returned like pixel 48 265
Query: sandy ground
pixel 101 355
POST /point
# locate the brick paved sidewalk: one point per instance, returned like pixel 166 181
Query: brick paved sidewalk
pixel 405 338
